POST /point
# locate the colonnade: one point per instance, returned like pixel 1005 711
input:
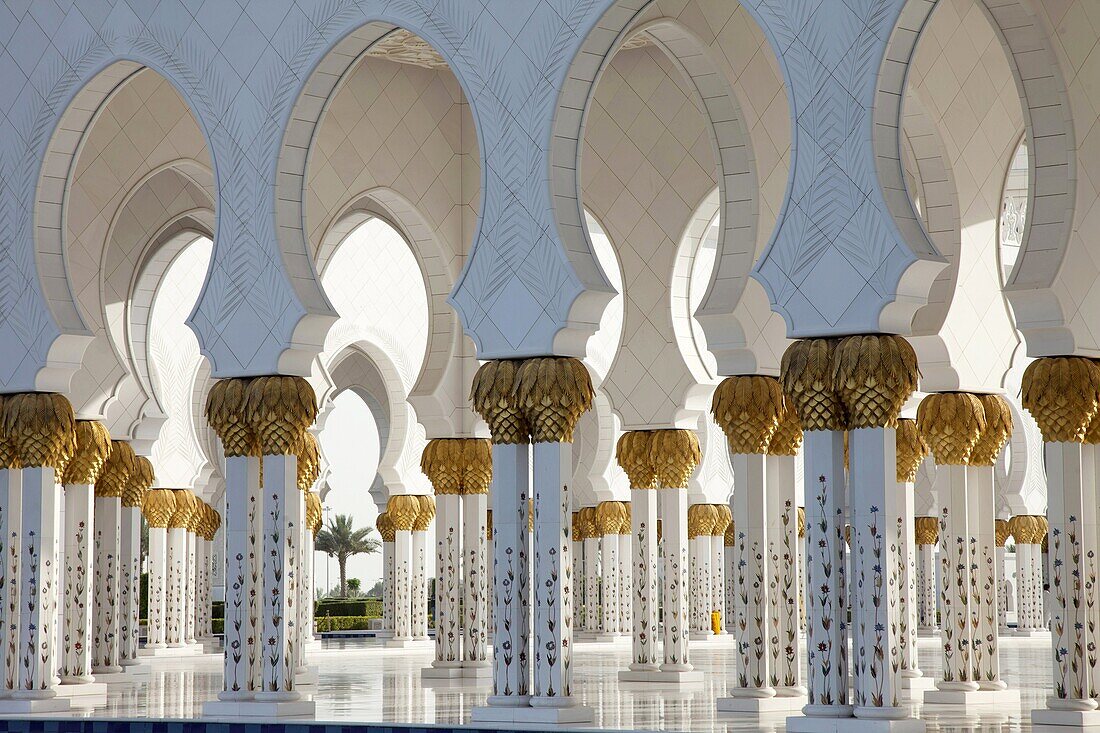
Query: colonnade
pixel 404 528
pixel 707 525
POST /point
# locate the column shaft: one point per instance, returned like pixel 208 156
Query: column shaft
pixel 673 509
pixel 826 630
pixel 609 576
pixel 718 579
pixel 107 587
pixel 76 662
pixel 984 577
pixel 475 652
pixel 37 587
pixel 282 518
pixel 906 563
pixel 242 586
pixel 402 585
pixel 419 584
pixel 158 583
pixel 782 577
pixel 626 582
pixel 176 604
pixel 926 587
pixel 954 577
pixel 873 508
pixel 751 613
pixel 511 571
pixel 11 493
pixel 389 609
pixel 644 600
pixel 130 582
pixel 592 615
pixel 448 585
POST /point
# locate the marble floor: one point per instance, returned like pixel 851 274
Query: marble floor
pixel 363 682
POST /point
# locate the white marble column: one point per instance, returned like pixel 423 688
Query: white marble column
pixel 718 569
pixel 175 600
pixel 158 510
pixel 242 582
pixel 511 573
pixel 106 624
pixel 448 583
pixel 202 589
pixel 954 580
pixel 783 572
pixel 672 506
pixel 191 590
pixel 985 578
pixel 826 582
pixel 553 600
pixel 626 572
pixel 475 587
pixel 610 595
pixel 1002 579
pixel 38 548
pixel 130 582
pixel 927 531
pixel 751 613
pixel 906 560
pixel 76 664
pixel 873 508
pixel 644 598
pixel 11 495
pixel 701 519
pixel 402 576
pixel 592 609
pixel 420 574
pixel 389 577
pixel 729 559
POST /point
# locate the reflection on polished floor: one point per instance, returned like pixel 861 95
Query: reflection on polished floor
pixel 361 681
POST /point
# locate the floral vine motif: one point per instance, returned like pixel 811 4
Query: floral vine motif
pixel 790 595
pixel 956 657
pixel 743 612
pixel 29 662
pixel 1090 605
pixel 1058 622
pixel 13 609
pixel 977 641
pixel 824 558
pixel 645 581
pixel 989 613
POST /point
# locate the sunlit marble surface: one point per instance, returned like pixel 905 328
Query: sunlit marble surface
pixel 363 682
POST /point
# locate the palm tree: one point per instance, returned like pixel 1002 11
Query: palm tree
pixel 341 540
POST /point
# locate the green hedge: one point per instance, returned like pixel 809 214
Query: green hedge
pixel 369 607
pixel 343 623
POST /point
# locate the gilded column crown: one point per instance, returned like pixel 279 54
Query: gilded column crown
pixel 9 458
pixel 225 412
pixel 576 530
pixel 159 506
pixel 93 445
pixel 493 394
pixel 801 522
pixel 403 511
pixel 675 455
pixel 873 376
pixel 926 530
pixel 186 504
pixel 806 374
pixel 215 523
pixel 314 515
pixel 626 520
pixel 607 518
pixel 748 409
pixel 120 463
pixel 41 429
pixel 139 482
pixel 1061 394
pixel 197 517
pixel 386 528
pixel 588 522
pixel 553 392
pixel 426 514
pixel 634 453
pixel 280 409
pixel 723 517
pixel 1001 528
pixel 951 423
pixel 309 461
pixel 911 450
pixel 458 465
pixel 701 519
pixel 729 538
pixel 787 438
pixel 1028 529
pixel 998 429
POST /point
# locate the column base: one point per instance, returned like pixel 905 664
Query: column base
pixel 664 676
pixel 10 706
pixel 84 689
pixel 920 683
pixel 453 671
pixel 141 669
pixel 927 633
pixel 477 670
pixel 166 651
pixel 1063 718
pixel 259 709
pixel 761 705
pixel 120 679
pixel 702 636
pixel 1030 633
pixel 806 724
pixel 533 715
pixel 971 698
pixel 598 637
